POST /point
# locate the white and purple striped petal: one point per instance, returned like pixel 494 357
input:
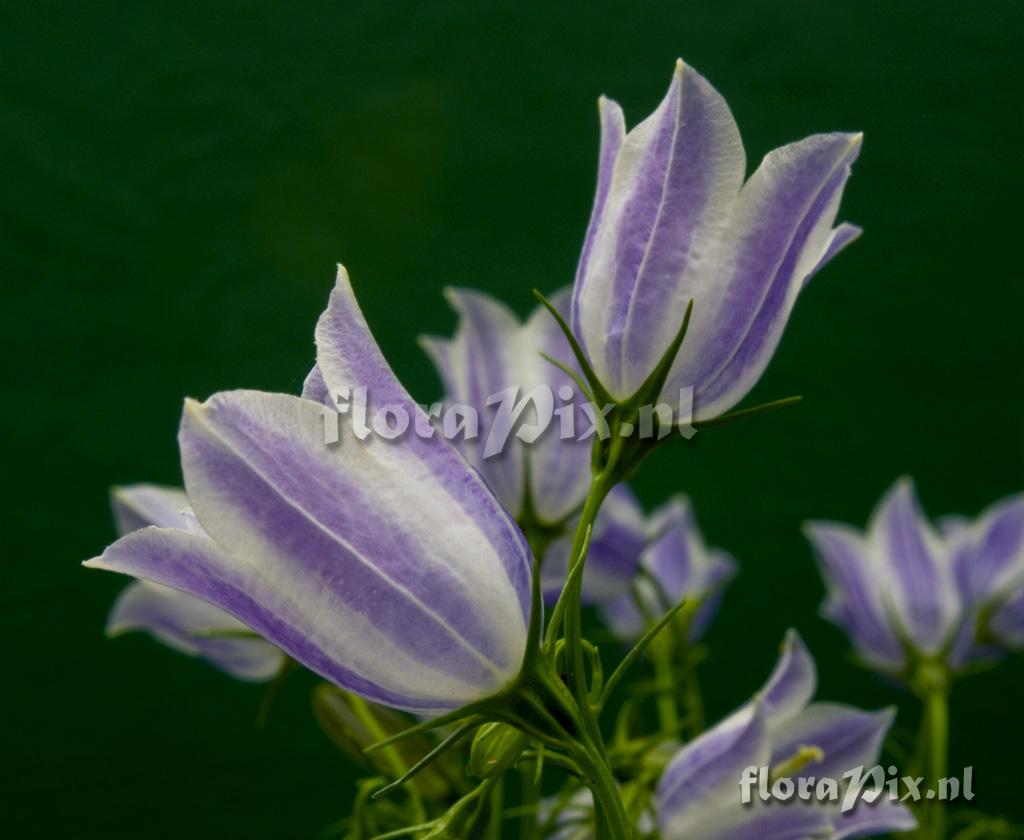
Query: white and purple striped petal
pixel 386 566
pixel 854 600
pixel 677 566
pixel 919 589
pixel 699 793
pixel 194 627
pixel 673 221
pixel 490 353
pixel 181 621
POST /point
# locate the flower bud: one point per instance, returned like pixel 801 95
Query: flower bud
pixel 496 747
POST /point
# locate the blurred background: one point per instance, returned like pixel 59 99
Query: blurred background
pixel 180 179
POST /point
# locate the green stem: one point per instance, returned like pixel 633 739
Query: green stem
pixel 665 677
pixel 692 692
pixel 937 715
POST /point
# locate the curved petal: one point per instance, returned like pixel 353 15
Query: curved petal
pixel 871 819
pixel 675 177
pixel 559 464
pixel 854 599
pixel 848 737
pixel 192 626
pixel 613 132
pixel 921 592
pixel 993 561
pixel 479 363
pixel 779 232
pixel 758 821
pixel 703 778
pixel 1007 623
pixel 792 682
pixel 140 505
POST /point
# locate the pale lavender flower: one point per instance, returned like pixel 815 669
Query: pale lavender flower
pixel 699 793
pixel 988 565
pixel 893 588
pixel 179 620
pixel 676 565
pixel 387 567
pixel 674 221
pixel 491 352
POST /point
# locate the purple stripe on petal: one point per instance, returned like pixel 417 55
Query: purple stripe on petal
pixel 781 234
pixel 704 775
pixel 190 625
pixel 923 596
pixel 848 737
pixel 197 566
pixel 854 592
pixel 676 175
pixel 996 553
pixel 791 684
pixel 1007 624
pixel 559 466
pixel 363 530
pixel 349 357
pixel 613 132
pixel 871 819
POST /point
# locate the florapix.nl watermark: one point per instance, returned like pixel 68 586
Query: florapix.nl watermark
pixel 509 414
pixel 861 784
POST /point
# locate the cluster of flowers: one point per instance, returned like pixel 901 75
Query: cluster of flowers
pixel 416 574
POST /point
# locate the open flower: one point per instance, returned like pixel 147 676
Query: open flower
pixel 181 621
pixel 988 564
pixel 492 352
pixel 674 221
pixel 699 793
pixel 675 566
pixel 387 567
pixel 892 589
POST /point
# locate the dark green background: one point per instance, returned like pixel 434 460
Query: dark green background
pixel 180 179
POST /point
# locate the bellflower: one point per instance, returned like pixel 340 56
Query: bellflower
pixel 676 565
pixel 492 352
pixel 699 794
pixel 387 567
pixel 179 620
pixel 892 588
pixel 616 544
pixel 988 564
pixel 673 221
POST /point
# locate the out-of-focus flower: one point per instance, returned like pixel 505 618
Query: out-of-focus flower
pixel 616 544
pixel 387 567
pixel 676 565
pixel 673 221
pixel 179 620
pixel 492 351
pixel 699 794
pixel 988 565
pixel 892 588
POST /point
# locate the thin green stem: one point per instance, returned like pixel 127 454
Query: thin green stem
pixel 937 715
pixel 665 677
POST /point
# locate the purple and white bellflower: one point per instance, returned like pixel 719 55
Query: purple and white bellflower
pixel 699 794
pixel 893 588
pixel 179 620
pixel 673 221
pixel 988 565
pixel 387 567
pixel 493 365
pixel 494 361
pixel 676 565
